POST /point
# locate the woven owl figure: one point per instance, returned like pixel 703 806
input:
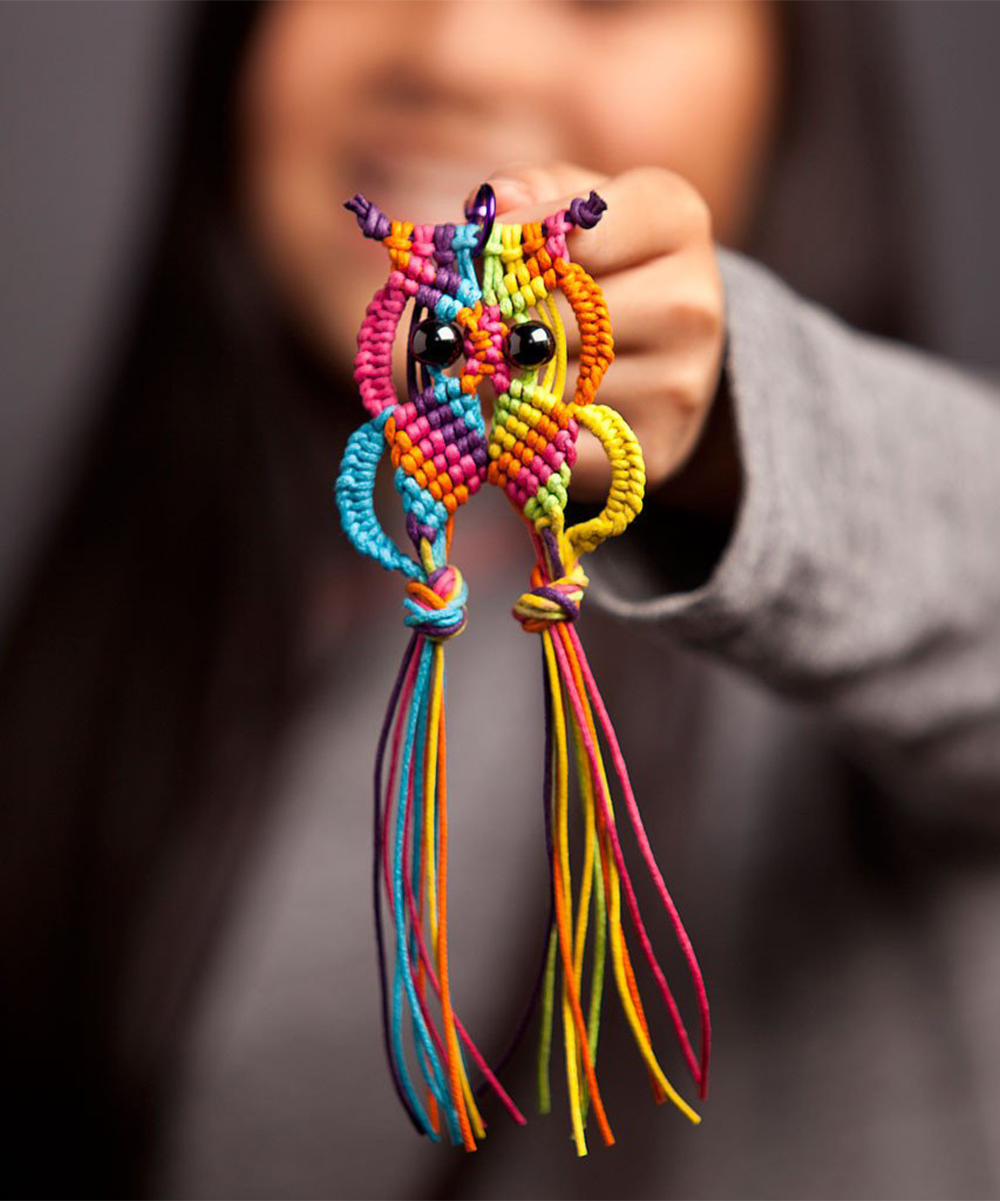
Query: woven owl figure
pixel 501 324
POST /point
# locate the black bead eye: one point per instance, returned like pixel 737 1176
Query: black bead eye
pixel 530 344
pixel 436 343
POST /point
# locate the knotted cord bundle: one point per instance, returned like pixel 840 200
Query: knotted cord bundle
pixel 508 328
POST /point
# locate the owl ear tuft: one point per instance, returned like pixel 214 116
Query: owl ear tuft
pixel 372 221
pixel 586 213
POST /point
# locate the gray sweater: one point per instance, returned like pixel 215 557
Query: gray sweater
pixel 815 739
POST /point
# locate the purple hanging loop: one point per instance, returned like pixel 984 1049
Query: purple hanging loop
pixel 482 208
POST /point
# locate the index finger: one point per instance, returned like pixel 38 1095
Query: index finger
pixel 651 212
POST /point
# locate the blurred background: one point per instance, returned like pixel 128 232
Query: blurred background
pixel 901 238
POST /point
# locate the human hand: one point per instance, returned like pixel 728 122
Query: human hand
pixel 653 255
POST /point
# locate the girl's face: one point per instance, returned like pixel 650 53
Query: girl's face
pixel 416 103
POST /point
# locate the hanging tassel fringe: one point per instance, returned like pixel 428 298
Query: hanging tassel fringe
pixel 575 714
pixel 411 863
pixel 441 455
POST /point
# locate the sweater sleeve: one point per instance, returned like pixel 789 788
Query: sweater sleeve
pixel 862 575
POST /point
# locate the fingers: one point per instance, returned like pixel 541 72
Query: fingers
pixel 521 185
pixel 650 211
pixel 659 395
pixel 667 436
pixel 669 301
pixel 653 255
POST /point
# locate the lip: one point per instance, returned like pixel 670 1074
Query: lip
pixel 428 187
pixel 443 158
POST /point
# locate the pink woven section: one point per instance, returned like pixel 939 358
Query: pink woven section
pixel 485 338
pixel 373 362
pixel 556 229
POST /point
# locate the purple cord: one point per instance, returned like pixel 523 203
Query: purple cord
pixel 586 213
pixel 380 938
pixel 373 222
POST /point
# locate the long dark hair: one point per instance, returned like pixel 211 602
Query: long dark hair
pixel 154 658
pixel 148 668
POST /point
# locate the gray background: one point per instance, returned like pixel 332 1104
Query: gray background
pixel 85 93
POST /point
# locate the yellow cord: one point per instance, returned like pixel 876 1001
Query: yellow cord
pixel 561 836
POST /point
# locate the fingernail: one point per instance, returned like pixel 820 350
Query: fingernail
pixel 510 191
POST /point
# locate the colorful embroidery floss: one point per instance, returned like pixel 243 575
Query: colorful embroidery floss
pixel 508 328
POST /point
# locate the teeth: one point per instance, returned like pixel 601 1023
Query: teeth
pixel 428 188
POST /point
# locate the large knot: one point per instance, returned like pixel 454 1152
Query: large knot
pixel 587 213
pixel 551 601
pixel 437 609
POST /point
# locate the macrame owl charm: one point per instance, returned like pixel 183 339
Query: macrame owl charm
pixel 504 326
